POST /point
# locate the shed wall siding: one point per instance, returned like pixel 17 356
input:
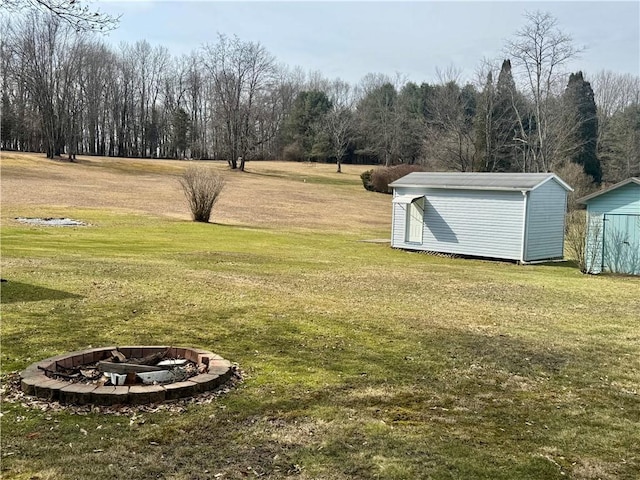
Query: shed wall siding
pixel 623 200
pixel 465 222
pixel 546 209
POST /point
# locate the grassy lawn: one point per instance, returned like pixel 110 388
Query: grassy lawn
pixel 361 362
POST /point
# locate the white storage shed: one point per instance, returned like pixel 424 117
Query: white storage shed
pixel 513 216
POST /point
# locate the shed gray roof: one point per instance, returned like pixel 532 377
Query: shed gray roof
pixel 478 181
pixel 607 190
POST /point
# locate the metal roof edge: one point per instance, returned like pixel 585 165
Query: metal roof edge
pixel 550 176
pixel 553 176
pixel 586 198
pixel 460 187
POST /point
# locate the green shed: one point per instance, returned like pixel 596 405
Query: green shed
pixel 613 233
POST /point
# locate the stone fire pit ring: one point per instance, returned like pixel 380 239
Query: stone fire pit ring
pixel 35 382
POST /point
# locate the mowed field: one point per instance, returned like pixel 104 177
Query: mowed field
pixel 360 361
pixel 272 194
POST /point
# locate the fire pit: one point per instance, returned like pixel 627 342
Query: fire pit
pixel 125 375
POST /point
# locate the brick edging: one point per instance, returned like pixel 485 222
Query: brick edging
pixel 35 382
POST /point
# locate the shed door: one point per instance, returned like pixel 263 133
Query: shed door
pixel 415 220
pixel 621 244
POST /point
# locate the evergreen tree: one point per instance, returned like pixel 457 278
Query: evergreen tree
pixel 505 119
pixel 497 123
pixel 378 124
pixel 7 123
pixel 580 111
pixel 303 127
pixel 410 118
pixel 181 126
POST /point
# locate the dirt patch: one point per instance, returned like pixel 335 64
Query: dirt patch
pixel 52 222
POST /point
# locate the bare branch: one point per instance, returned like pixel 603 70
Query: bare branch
pixel 72 12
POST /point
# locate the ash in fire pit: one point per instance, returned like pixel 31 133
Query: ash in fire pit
pixel 121 375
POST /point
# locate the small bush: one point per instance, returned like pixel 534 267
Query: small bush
pixel 202 187
pixel 382 177
pixel 576 230
pixel 366 180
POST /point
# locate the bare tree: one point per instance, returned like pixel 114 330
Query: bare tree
pixel 339 121
pixel 240 72
pixel 620 148
pixel 185 89
pixel 539 51
pixel 46 61
pixel 617 98
pixel 96 82
pixel 67 91
pixel 582 184
pixel 194 90
pixel 486 67
pixel 449 143
pixel 613 92
pixel 450 74
pixel 151 67
pixel 74 13
pixel 317 81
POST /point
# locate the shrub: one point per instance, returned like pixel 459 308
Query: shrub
pixel 582 184
pixel 576 230
pixel 383 176
pixel 293 152
pixel 202 187
pixel 366 180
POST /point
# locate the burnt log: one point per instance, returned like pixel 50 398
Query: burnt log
pixel 118 356
pixel 149 359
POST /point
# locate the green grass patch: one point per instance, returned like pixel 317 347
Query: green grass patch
pixel 362 361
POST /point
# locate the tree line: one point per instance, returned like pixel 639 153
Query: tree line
pixel 67 92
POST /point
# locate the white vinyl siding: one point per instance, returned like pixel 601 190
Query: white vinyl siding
pixel 465 222
pixel 545 222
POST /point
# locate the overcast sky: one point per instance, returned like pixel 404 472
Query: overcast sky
pixel 351 39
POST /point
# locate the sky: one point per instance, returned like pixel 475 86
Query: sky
pixel 414 39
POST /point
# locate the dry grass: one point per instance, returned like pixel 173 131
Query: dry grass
pixel 272 194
